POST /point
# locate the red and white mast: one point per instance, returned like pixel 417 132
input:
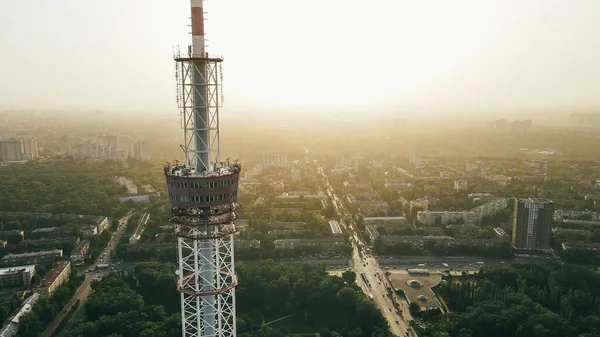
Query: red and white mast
pixel 203 195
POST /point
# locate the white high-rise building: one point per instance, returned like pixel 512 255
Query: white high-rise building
pixel 17 149
pixel 277 160
pixel 141 150
pixel 415 158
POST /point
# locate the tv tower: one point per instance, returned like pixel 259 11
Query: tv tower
pixel 203 195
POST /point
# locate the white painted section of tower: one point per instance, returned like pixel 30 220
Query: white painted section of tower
pixel 198 45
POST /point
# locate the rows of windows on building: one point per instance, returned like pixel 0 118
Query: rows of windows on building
pixel 104 146
pixel 18 148
pixel 532 224
pixel 202 198
pixel 198 185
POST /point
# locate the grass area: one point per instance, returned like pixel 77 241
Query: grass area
pixel 318 319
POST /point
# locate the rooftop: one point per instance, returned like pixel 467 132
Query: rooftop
pixel 335 227
pixel 218 169
pixel 32 254
pixel 53 273
pixel 10 270
pixel 26 307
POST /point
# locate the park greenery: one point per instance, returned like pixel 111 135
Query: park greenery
pixel 72 187
pixel 144 302
pixel 521 300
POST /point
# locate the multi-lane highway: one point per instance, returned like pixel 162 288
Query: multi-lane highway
pixel 364 264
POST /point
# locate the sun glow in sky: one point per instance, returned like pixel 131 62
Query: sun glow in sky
pixel 116 54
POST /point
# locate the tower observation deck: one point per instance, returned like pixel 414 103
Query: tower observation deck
pixel 203 195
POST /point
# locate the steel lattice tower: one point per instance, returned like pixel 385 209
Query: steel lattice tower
pixel 203 194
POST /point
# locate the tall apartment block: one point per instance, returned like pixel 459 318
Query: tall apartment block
pixel 532 223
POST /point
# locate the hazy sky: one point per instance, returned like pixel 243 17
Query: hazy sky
pixel 376 54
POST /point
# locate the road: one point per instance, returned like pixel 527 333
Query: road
pixel 84 290
pixel 363 263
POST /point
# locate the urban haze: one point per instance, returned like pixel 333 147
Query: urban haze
pixel 273 169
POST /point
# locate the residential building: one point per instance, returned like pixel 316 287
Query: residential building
pixel 415 241
pixel 138 199
pixel 139 229
pixel 276 160
pixel 580 246
pixel 251 243
pixel 140 149
pixel 79 253
pixel 32 258
pixel 397 185
pixel 18 149
pixel 55 277
pixel 372 232
pixel 431 218
pixel 89 230
pixel 99 224
pixel 12 327
pixel 460 185
pixel 302 243
pixel 16 276
pixel 128 184
pixel 415 158
pixel 335 227
pixel 532 224
pixel 386 221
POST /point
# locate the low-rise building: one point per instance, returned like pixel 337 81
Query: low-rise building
pixel 580 246
pixel 137 198
pixel 416 241
pixel 32 258
pixel 572 233
pixel 55 277
pixel 335 227
pixel 302 243
pixel 79 253
pixel 397 185
pixel 16 276
pixel 102 223
pixel 45 230
pixel 477 242
pixel 372 232
pixel 12 327
pixel 89 230
pixel 139 228
pixel 250 243
pixel 431 218
pixel 491 208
